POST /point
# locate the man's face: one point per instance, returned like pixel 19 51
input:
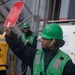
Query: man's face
pixel 26 29
pixel 45 43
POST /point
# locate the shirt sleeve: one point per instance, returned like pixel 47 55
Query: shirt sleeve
pixel 69 68
pixel 24 53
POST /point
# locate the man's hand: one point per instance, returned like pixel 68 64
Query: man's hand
pixel 7 30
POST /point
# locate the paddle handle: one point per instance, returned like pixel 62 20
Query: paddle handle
pixel 4 33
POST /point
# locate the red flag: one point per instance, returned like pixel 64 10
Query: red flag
pixel 14 13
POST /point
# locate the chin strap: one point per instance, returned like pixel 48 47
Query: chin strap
pixel 52 43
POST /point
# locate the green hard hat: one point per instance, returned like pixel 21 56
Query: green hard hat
pixel 25 25
pixel 52 31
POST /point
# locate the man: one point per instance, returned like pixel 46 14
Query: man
pixel 50 60
pixel 28 37
pixel 30 40
pixel 3 55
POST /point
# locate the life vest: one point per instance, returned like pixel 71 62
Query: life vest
pixel 30 38
pixel 55 66
pixel 3 53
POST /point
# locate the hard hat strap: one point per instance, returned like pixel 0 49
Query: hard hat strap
pixel 52 43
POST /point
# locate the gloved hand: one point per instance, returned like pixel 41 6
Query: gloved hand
pixel 7 30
